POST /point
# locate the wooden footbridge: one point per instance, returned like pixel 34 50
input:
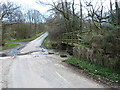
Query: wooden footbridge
pixel 72 38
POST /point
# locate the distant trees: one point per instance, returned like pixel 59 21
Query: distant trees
pixel 28 25
pixel 34 18
pixel 37 18
pixel 16 25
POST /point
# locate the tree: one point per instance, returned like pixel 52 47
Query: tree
pixel 81 16
pixel 117 12
pixel 7 13
pixel 0 25
pixel 36 16
pixel 71 17
pixel 111 11
pixel 114 14
pixel 64 17
pixel 64 9
pixel 96 14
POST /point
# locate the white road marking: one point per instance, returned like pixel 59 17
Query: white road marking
pixel 62 78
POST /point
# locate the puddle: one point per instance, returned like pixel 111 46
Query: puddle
pixel 14 52
pixel 44 51
pixel 39 53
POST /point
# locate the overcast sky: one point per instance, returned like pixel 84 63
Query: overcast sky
pixel 27 4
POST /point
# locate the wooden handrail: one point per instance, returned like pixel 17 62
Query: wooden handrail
pixel 72 37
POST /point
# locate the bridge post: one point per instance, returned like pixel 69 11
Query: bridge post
pixel 72 38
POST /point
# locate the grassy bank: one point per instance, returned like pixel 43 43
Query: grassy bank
pixel 49 44
pixel 9 46
pixel 24 40
pixel 96 71
pixel 46 43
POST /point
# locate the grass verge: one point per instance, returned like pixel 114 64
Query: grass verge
pixel 46 43
pixel 9 46
pixel 24 40
pixel 96 71
pixel 49 44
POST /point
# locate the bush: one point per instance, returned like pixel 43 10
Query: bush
pixel 101 47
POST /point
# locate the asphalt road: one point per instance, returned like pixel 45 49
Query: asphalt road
pixel 34 45
pixel 41 71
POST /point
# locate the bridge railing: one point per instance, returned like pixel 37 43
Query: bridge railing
pixel 72 38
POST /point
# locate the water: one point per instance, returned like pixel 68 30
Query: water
pixel 14 52
pixel 43 52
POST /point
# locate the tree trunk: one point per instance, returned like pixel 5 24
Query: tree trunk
pixel 0 27
pixel 111 10
pixel 80 16
pixel 117 12
pixel 0 33
pixel 3 34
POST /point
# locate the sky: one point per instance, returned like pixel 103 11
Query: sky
pixel 31 4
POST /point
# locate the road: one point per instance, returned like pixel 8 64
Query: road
pixel 34 45
pixel 41 71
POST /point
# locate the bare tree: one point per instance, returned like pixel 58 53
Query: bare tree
pixel 97 14
pixel 0 25
pixel 66 11
pixel 7 11
pixel 36 16
pixel 117 12
pixel 81 16
pixel 111 10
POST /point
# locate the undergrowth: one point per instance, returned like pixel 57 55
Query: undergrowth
pixel 109 73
